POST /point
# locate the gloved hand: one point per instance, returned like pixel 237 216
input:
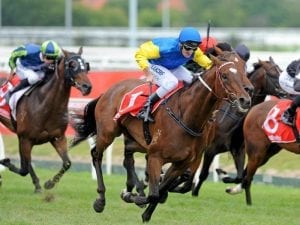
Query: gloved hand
pixel 293 68
pixel 297 85
pixel 49 68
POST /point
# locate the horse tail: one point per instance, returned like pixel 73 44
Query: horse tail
pixel 84 125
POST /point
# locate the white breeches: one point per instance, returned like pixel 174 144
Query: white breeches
pixel 167 80
pixel 287 83
pixel 31 75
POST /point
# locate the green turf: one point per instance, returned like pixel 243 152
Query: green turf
pixel 72 200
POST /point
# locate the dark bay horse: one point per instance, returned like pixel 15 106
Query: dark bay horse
pixel 258 147
pixel 42 116
pixel 226 133
pixel 173 139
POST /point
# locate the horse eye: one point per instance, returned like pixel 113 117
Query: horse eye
pixel 224 76
pixel 74 65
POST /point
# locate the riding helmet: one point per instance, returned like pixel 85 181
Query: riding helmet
pixel 208 42
pixel 50 49
pixel 190 36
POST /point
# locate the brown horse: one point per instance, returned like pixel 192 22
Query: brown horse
pixel 226 133
pixel 42 116
pixel 222 135
pixel 258 147
pixel 178 123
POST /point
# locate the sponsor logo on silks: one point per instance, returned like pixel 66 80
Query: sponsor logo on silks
pixel 157 70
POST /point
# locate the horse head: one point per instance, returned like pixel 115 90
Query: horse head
pixel 231 77
pixel 75 71
pixel 265 78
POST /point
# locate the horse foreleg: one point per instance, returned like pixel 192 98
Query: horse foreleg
pixel 132 179
pixel 209 155
pixel 154 166
pixel 99 203
pixel 35 180
pixel 172 173
pixel 60 145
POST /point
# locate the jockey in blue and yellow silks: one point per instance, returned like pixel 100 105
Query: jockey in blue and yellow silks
pixel 162 60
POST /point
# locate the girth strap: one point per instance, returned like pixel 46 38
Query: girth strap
pixel 181 124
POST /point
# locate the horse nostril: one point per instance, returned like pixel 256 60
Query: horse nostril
pixel 249 90
pixel 87 88
pixel 245 102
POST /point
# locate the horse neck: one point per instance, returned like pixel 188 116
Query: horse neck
pixel 259 93
pixel 56 90
pixel 200 102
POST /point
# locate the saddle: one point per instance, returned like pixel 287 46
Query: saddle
pixel 276 130
pixel 4 89
pixel 134 100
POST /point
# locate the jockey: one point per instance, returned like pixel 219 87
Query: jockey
pixel 207 43
pixel 243 51
pixel 162 60
pixel 30 61
pixel 289 81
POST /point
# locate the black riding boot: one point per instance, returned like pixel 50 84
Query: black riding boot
pixel 288 116
pixel 145 113
pixel 23 83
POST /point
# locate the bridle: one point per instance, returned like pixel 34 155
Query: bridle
pixel 73 66
pixel 231 97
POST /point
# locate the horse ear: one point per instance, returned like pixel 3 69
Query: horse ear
pixel 218 50
pixel 215 60
pixel 64 52
pixel 271 59
pixel 80 50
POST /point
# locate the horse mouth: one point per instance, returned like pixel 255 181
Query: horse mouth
pixel 241 108
pixel 85 89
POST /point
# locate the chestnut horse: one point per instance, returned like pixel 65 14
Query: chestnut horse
pixel 224 134
pixel 42 116
pixel 178 123
pixel 258 147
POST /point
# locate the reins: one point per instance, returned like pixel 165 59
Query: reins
pixel 177 118
pixel 220 80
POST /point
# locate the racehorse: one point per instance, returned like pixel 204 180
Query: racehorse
pixel 42 116
pixel 226 133
pixel 175 131
pixel 221 135
pixel 258 146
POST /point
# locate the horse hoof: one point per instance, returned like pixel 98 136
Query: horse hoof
pixel 127 196
pixel 49 184
pixel 233 191
pixel 38 190
pixel 5 162
pixel 141 200
pixel 146 218
pixel 99 206
pixel 163 198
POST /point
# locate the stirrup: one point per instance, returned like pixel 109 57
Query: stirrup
pixel 145 115
pixel 287 119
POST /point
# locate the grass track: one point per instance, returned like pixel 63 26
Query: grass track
pixel 75 194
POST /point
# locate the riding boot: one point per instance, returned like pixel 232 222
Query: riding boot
pixel 288 117
pixel 145 113
pixel 23 83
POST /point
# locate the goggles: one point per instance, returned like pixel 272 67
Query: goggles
pixel 188 46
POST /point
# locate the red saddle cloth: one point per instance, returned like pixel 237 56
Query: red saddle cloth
pixel 134 100
pixel 275 129
pixel 4 106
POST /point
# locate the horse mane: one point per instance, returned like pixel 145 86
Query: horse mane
pixel 256 66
